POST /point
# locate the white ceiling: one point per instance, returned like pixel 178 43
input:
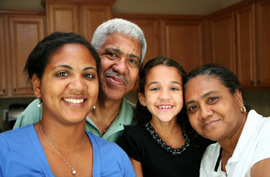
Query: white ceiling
pixel 184 7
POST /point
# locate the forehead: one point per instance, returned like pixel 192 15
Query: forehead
pixel 72 53
pixel 163 73
pixel 123 42
pixel 203 84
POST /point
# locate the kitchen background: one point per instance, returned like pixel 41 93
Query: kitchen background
pixel 258 98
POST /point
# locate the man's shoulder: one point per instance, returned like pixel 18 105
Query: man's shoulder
pixel 32 114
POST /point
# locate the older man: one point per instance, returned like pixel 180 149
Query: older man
pixel 121 46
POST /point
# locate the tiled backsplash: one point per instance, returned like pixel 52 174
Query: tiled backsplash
pixel 257 99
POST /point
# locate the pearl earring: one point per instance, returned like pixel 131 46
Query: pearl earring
pixel 39 104
pixel 243 109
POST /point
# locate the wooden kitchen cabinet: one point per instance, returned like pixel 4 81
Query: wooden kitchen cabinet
pixel 81 17
pixel 223 40
pixel 62 18
pixel 263 43
pixel 24 31
pixel 246 46
pixel 3 57
pixel 183 41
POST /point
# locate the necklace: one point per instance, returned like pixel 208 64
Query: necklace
pixel 72 168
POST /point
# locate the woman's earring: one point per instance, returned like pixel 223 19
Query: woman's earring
pixel 39 103
pixel 243 109
pixel 94 107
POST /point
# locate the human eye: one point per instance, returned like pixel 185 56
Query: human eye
pixel 212 100
pixel 133 62
pixel 90 75
pixel 154 89
pixel 112 55
pixel 174 89
pixel 191 109
pixel 61 74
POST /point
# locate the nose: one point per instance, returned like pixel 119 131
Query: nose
pixel 77 85
pixel 205 111
pixel 121 66
pixel 164 94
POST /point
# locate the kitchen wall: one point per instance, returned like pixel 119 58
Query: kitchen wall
pixel 258 99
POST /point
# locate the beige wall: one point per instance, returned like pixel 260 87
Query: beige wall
pixel 187 7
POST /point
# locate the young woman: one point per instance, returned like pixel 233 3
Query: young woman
pixel 216 111
pixel 162 144
pixel 63 69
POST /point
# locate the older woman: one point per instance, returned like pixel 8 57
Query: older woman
pixel 64 72
pixel 216 111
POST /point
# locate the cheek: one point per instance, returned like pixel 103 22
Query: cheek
pixel 133 75
pixel 193 122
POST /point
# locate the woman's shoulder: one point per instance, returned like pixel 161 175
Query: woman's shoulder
pixel 18 134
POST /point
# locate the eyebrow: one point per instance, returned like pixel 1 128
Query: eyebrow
pixel 204 96
pixel 121 53
pixel 69 67
pixel 155 82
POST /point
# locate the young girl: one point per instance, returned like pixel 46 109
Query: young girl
pixel 163 143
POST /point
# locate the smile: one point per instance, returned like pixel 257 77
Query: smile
pixel 164 107
pixel 72 100
pixel 209 124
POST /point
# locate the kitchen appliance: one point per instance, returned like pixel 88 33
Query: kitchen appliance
pixel 14 111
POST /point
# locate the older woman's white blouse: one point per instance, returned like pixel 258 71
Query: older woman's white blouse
pixel 252 147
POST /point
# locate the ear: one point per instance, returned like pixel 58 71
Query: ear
pixel 239 98
pixel 36 86
pixel 141 99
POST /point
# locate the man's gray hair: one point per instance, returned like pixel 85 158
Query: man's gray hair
pixel 118 25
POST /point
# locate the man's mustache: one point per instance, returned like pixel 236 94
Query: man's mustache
pixel 117 74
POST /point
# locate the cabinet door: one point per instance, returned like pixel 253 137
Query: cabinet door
pixel 25 33
pixel 62 18
pixel 91 17
pixel 263 43
pixel 3 58
pixel 245 38
pixel 223 40
pixel 183 42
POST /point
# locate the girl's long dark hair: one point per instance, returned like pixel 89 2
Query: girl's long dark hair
pixel 141 113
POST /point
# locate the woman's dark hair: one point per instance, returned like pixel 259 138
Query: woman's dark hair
pixel 142 115
pixel 41 54
pixel 226 77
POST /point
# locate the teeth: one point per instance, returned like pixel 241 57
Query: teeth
pixel 71 100
pixel 164 107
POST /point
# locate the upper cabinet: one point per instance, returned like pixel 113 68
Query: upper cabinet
pixel 245 45
pixel 3 57
pixel 241 42
pixel 183 41
pixel 81 17
pixel 20 33
pixel 223 40
pixel 263 43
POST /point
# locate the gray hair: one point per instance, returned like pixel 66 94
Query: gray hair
pixel 118 25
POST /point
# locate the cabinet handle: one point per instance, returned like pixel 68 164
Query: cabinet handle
pixel 258 82
pixel 251 82
pixel 4 90
pixel 14 90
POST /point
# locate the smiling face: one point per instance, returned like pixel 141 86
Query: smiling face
pixel 69 86
pixel 213 111
pixel 120 60
pixel 163 93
